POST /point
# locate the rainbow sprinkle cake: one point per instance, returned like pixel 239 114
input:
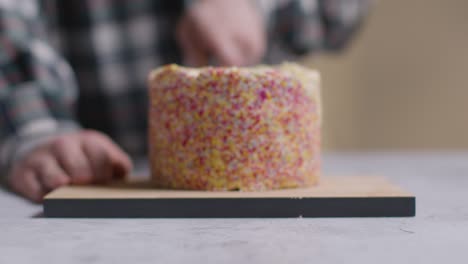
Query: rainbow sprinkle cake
pixel 229 128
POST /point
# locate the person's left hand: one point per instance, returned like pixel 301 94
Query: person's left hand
pixel 229 32
pixel 81 157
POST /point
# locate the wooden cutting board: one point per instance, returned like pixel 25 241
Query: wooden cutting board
pixel 351 196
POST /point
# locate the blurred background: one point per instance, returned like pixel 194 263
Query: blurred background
pixel 403 82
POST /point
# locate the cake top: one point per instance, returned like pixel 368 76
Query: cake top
pixel 308 78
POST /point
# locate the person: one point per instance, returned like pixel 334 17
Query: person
pixel 73 98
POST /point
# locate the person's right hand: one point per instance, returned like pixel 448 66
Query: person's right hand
pixel 232 33
pixel 76 158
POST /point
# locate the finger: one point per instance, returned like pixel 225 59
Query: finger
pixel 72 159
pixel 99 159
pixel 253 48
pixel 120 161
pixel 250 34
pixel 50 173
pixel 26 183
pixel 192 51
pixel 226 50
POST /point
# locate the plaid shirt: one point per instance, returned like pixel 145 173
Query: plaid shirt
pixel 68 65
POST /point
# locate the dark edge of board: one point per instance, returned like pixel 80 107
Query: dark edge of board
pixel 232 208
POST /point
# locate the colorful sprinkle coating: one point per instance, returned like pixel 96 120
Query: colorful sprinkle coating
pixel 232 128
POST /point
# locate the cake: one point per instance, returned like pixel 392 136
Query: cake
pixel 229 128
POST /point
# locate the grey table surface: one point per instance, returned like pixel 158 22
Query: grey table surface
pixel 438 233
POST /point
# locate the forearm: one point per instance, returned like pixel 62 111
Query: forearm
pixel 37 88
pixel 298 27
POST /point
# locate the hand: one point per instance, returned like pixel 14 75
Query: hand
pixel 75 158
pixel 230 32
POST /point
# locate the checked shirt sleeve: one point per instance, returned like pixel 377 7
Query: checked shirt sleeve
pixel 37 87
pixel 297 27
